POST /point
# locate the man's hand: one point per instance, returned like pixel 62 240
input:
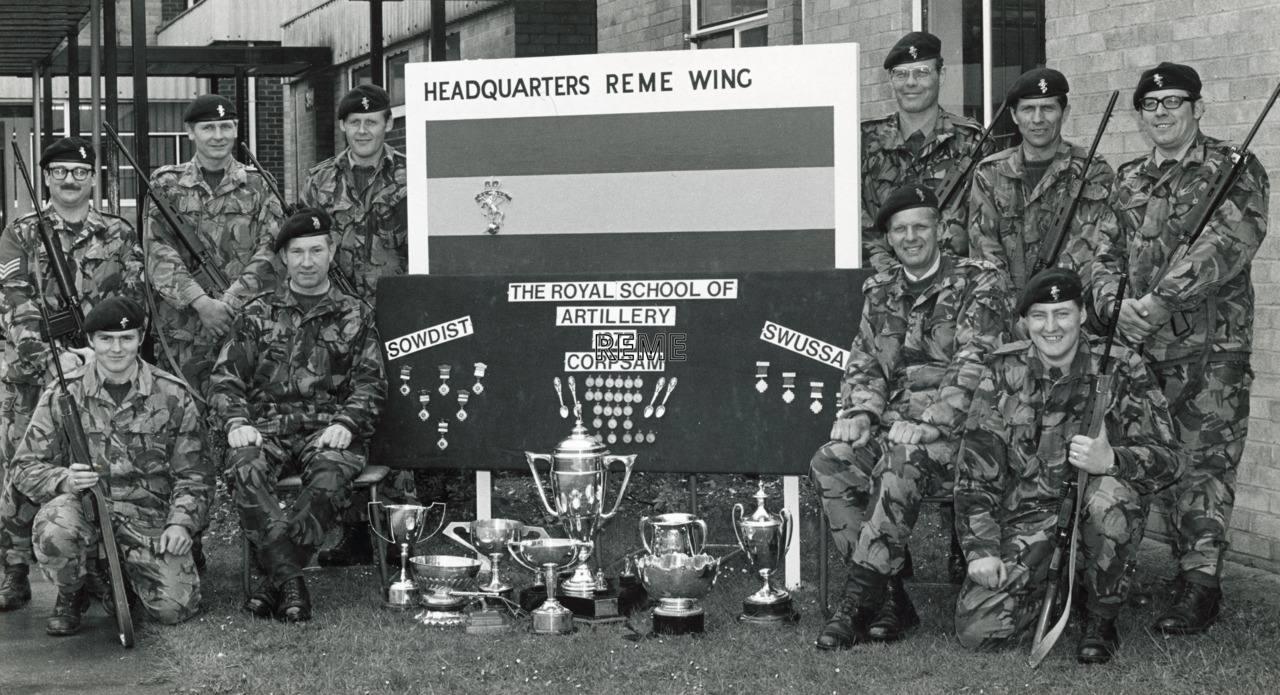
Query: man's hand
pixel 244 435
pixel 856 430
pixel 988 572
pixel 215 314
pixel 905 432
pixel 335 437
pixel 175 540
pixel 82 478
pixel 1093 456
pixel 1141 318
pixel 74 358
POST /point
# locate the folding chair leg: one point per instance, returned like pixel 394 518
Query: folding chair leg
pixel 246 564
pixel 822 561
pixel 379 547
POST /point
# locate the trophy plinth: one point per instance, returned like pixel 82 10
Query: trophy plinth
pixel 406 525
pixel 678 581
pixel 764 538
pixel 443 574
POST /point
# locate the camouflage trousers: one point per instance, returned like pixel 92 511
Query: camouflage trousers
pixel 1211 428
pixel 285 538
pixel 1111 530
pixel 872 495
pixel 167 585
pixel 16 510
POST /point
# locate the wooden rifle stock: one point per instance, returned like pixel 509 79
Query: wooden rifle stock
pixel 963 168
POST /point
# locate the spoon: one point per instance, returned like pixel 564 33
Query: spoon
pixel 662 407
pixel 573 391
pixel 648 410
pixel 564 410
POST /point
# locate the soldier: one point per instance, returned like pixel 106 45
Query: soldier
pixel 299 386
pixel 1016 192
pixel 919 143
pixel 104 260
pixel 1031 397
pixel 926 324
pixel 363 189
pixel 1194 321
pixel 143 432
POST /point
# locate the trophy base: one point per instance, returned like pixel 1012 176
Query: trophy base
pixel 400 598
pixel 603 607
pixel 439 618
pixel 484 622
pixel 552 623
pixel 777 613
pixel 673 625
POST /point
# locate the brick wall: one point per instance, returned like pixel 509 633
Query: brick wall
pixel 642 25
pixel 269 126
pixel 786 25
pixel 1104 45
pixel 567 27
pixel 875 25
pixel 170 9
pixel 490 35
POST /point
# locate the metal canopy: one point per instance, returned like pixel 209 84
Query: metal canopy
pixel 31 30
pixel 213 61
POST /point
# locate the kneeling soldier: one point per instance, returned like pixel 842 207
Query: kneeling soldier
pixel 299 386
pixel 144 437
pixel 1018 442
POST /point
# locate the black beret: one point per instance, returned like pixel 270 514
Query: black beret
pixel 115 314
pixel 905 198
pixel 916 46
pixel 365 98
pixel 1035 83
pixel 209 107
pixel 1167 76
pixel 305 222
pixel 1050 286
pixel 76 150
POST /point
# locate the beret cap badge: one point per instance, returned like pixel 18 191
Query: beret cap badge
pixel 913 52
pixel 1159 79
pixel 1044 86
pixel 1054 292
pixel 124 322
pixel 83 154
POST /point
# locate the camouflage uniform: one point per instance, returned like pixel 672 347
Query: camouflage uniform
pixel 290 376
pixel 888 163
pixel 1201 356
pixel 237 221
pixel 104 260
pixel 156 474
pixel 915 359
pixel 1008 223
pixel 1011 469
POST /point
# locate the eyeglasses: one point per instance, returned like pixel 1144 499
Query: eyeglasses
pixel 901 74
pixel 79 173
pixel 1171 102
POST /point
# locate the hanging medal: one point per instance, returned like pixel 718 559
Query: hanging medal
pixel 788 383
pixel 762 375
pixel 404 377
pixel 443 429
pixel 815 392
pixel 478 388
pixel 650 437
pixel 444 379
pixel 463 397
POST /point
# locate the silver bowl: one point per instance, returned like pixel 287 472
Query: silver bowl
pixel 677 575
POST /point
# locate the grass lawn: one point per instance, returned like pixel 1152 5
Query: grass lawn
pixel 353 646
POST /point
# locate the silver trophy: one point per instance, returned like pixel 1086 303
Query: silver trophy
pixel 678 581
pixel 406 524
pixel 442 575
pixel 549 556
pixel 673 533
pixel 489 538
pixel 765 537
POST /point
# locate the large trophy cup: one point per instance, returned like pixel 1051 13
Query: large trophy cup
pixel 678 581
pixel 406 524
pixel 765 537
pixel 549 556
pixel 579 480
pixel 489 538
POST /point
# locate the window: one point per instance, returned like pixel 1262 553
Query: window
pixel 709 13
pixel 730 23
pixel 395 77
pixel 359 74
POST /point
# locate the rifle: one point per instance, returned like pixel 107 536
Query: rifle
pixel 1066 210
pixel 336 276
pixel 97 509
pixel 1071 502
pixel 960 172
pixel 207 271
pixel 67 324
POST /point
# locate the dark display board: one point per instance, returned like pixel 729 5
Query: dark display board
pixel 709 329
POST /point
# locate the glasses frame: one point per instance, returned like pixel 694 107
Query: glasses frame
pixel 1164 101
pixel 60 173
pixel 923 72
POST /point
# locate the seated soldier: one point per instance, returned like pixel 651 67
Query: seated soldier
pixel 143 433
pixel 1018 441
pixel 926 325
pixel 299 388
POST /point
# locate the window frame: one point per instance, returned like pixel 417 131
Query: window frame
pixel 737 25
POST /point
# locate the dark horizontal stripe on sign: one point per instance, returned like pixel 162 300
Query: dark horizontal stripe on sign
pixel 657 252
pixel 616 143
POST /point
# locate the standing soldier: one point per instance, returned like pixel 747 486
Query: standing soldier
pixel 919 143
pixel 143 432
pixel 104 259
pixel 1194 320
pixel 363 189
pixel 300 385
pixel 1016 192
pixel 1030 400
pixel 927 323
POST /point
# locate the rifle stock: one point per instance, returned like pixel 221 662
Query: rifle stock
pixel 963 168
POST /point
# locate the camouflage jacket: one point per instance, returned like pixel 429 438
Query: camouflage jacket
pixel 149 447
pixel 1152 211
pixel 288 374
pixel 1013 460
pixel 371 226
pixel 916 359
pixel 104 260
pixel 1008 223
pixel 237 221
pixel 887 164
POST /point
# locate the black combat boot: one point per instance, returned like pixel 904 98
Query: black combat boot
pixel 15 588
pixel 1099 640
pixel 1194 609
pixel 863 592
pixel 98 586
pixel 353 548
pixel 264 600
pixel 957 566
pixel 197 552
pixel 295 602
pixel 65 618
pixel 896 616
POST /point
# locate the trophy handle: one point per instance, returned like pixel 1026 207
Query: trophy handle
pixel 537 531
pixel 381 512
pixel 627 460
pixel 698 548
pixel 644 537
pixel 451 532
pixel 790 523
pixel 515 555
pixel 736 516
pixel 533 459
pixel 443 509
